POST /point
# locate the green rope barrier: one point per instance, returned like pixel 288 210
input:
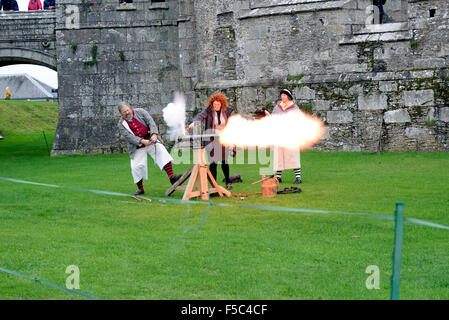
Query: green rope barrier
pixel 265 208
pixel 86 295
pixel 398 218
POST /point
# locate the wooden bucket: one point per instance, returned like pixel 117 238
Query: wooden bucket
pixel 270 187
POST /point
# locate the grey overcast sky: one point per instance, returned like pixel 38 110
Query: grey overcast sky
pixel 41 73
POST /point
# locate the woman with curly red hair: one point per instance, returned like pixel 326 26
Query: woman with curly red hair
pixel 216 115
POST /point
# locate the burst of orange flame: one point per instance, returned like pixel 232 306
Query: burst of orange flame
pixel 291 130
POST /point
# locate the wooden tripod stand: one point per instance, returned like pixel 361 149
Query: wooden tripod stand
pixel 199 175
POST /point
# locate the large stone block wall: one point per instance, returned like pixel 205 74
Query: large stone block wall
pixel 375 86
pixel 118 53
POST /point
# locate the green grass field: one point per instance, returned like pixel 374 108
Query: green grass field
pixel 23 117
pixel 130 250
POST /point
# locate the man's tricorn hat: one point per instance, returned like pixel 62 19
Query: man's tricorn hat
pixel 287 92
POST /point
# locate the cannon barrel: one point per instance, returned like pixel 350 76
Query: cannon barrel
pixel 198 136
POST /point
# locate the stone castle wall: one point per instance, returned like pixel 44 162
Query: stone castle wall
pixel 375 86
pixel 117 53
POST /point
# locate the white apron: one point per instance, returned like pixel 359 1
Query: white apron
pixel 139 163
pixel 285 158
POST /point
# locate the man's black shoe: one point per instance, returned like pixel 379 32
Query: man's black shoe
pixel 138 192
pixel 297 181
pixel 279 179
pixel 175 178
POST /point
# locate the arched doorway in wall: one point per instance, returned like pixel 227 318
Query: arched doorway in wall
pixel 32 74
pixel 28 104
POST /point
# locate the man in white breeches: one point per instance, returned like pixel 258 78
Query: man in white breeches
pixel 140 131
pixel 139 167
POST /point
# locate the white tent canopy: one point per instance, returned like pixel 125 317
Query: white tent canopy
pixel 23 86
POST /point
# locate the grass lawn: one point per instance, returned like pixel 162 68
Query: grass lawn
pixel 23 117
pixel 130 250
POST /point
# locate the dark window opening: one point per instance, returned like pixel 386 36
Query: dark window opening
pixel 432 12
pixel 125 1
pixel 381 14
pixel 157 0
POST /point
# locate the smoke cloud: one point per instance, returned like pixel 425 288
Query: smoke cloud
pixel 174 115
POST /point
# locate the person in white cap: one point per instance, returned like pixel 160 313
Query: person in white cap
pixel 141 133
pixel 285 158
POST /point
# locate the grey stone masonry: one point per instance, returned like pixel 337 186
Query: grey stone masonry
pixel 321 105
pixel 388 86
pixel 396 116
pixel 352 74
pixel 444 114
pixel 305 93
pixel 418 98
pixel 110 53
pixel 418 133
pixel 371 84
pixel 339 116
pixel 373 102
